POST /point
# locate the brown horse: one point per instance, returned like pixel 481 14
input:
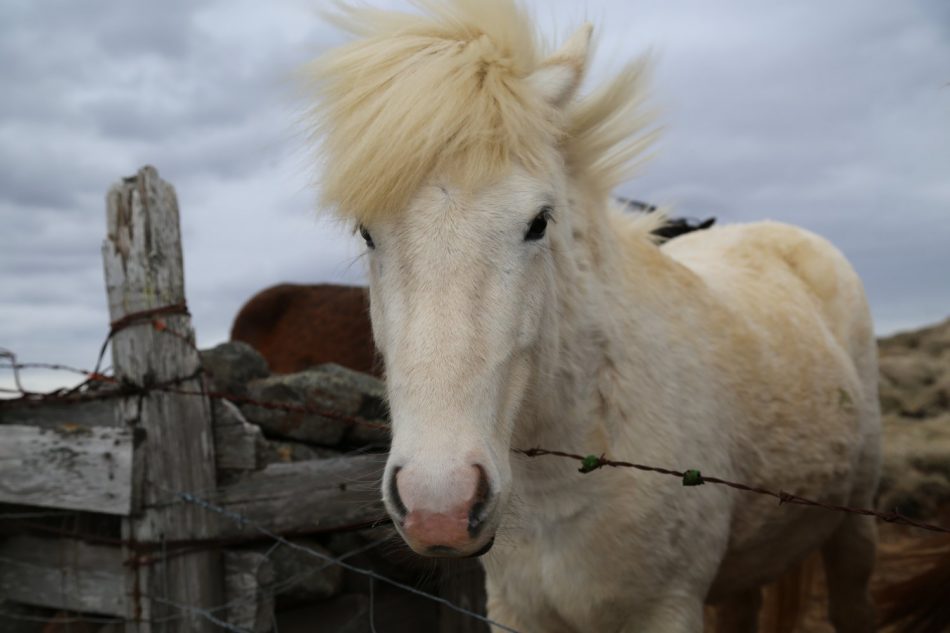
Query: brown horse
pixel 296 326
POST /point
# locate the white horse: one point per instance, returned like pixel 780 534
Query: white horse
pixel 514 308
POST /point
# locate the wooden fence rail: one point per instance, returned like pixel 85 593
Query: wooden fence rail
pixel 121 462
pixel 75 458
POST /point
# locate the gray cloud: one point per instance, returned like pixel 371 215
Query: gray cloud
pixel 834 119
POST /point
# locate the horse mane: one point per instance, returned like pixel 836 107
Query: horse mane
pixel 446 89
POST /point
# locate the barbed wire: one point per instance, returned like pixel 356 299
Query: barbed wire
pixel 99 386
pixel 143 552
pixel 588 462
pixel 210 613
pixel 692 477
pixel 369 573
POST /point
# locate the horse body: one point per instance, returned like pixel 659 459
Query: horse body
pixel 699 372
pixel 803 369
pixel 514 307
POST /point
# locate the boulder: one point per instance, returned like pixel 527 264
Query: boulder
pixel 331 397
pixel 239 445
pixel 230 366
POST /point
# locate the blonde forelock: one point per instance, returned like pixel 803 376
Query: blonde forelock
pixel 446 90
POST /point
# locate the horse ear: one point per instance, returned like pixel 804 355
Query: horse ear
pixel 559 76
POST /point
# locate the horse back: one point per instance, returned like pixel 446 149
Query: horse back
pixel 296 326
pixel 769 266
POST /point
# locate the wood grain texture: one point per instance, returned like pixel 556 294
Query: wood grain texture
pixel 307 496
pixel 51 415
pixel 75 576
pixel 69 467
pixel 142 256
pixel 63 574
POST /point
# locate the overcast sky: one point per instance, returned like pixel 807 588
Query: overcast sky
pixel 834 116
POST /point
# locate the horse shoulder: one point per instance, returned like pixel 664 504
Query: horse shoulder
pixel 795 347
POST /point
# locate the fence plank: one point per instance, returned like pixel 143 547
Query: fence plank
pixel 322 494
pixel 63 574
pixel 142 258
pixel 72 467
pixel 50 415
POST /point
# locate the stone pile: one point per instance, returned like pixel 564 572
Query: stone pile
pixel 915 401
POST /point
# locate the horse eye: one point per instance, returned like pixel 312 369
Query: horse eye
pixel 538 225
pixel 366 236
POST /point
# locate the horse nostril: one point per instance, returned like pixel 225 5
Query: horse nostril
pixel 476 513
pixel 394 497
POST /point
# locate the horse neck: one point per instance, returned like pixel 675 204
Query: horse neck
pixel 611 314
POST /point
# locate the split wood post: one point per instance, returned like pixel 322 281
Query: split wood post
pixel 175 452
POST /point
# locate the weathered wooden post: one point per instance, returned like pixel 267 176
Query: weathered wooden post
pixel 175 453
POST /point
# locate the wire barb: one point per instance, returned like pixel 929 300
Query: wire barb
pixel 119 389
pixel 693 478
pixel 591 463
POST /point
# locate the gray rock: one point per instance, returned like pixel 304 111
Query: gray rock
pixel 333 398
pixel 239 445
pixel 366 401
pixel 230 366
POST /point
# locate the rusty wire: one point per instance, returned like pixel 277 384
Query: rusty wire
pixel 588 462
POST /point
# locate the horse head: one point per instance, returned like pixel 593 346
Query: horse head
pixel 450 143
